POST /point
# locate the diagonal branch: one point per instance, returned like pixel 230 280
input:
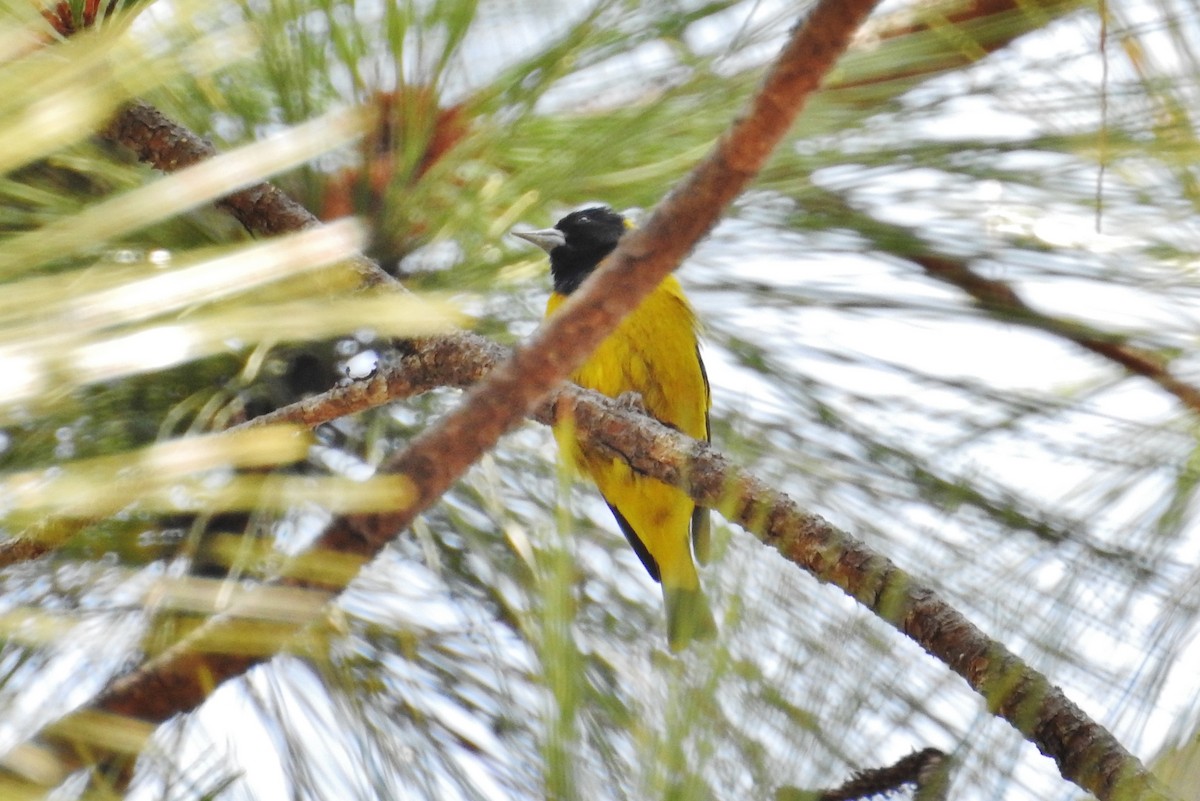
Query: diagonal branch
pixel 1002 301
pixel 262 208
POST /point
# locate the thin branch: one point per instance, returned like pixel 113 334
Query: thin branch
pixel 262 208
pixel 926 770
pixel 416 366
pixel 1003 302
pixel 24 548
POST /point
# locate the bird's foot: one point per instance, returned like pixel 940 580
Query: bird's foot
pixel 632 401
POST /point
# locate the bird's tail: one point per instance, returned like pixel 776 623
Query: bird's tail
pixel 688 617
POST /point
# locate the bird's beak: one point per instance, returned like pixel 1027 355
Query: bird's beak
pixel 547 239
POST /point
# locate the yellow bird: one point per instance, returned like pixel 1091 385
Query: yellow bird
pixel 654 356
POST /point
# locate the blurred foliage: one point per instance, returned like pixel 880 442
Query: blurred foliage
pixel 510 646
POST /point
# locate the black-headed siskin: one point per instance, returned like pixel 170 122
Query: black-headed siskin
pixel 654 352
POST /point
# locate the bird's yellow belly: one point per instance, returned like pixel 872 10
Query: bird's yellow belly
pixel 653 353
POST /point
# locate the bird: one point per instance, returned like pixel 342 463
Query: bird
pixel 652 362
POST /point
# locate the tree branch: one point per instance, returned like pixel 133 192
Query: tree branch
pixel 926 770
pixel 455 360
pixel 1006 303
pixel 1001 300
pixel 262 208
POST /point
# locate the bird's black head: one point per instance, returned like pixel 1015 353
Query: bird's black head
pixel 587 237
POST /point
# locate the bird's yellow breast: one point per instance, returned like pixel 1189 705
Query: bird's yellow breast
pixel 653 352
